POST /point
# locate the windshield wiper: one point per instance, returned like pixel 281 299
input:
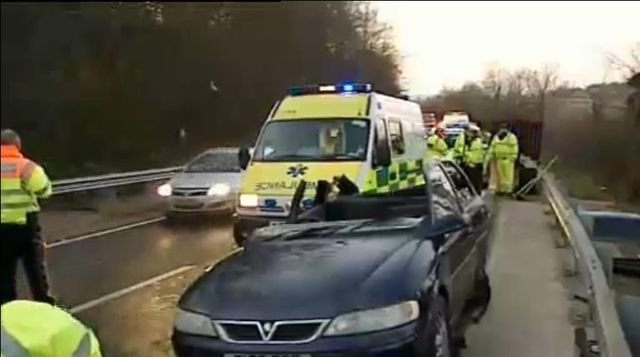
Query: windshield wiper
pixel 289 157
pixel 340 156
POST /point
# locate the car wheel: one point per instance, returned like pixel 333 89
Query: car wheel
pixel 435 337
pixel 238 237
pixel 170 218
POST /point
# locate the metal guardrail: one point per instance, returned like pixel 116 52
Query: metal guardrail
pixel 604 317
pixel 113 180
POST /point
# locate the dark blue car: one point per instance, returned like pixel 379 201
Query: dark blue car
pixel 399 275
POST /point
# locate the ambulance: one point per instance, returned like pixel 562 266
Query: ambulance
pixel 324 131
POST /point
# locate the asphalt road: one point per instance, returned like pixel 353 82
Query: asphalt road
pixel 131 302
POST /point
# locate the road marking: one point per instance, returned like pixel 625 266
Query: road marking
pixel 105 232
pixel 117 294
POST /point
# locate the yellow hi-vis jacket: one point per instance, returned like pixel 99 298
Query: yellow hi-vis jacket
pixel 35 329
pixel 458 147
pixel 23 182
pixel 437 148
pixel 504 149
pixel 474 153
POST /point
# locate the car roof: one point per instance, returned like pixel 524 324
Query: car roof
pixel 609 214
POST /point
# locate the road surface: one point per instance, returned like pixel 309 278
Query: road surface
pixel 125 285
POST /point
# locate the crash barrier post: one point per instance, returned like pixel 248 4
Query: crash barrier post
pixel 604 318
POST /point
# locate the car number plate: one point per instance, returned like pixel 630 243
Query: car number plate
pixel 264 355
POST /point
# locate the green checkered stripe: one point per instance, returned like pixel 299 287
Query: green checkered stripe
pixel 398 176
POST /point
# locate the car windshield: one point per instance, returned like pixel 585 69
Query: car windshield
pixel 214 162
pixel 314 140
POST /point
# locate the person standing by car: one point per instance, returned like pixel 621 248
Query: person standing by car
pixel 503 153
pixel 474 157
pixel 437 147
pixel 23 183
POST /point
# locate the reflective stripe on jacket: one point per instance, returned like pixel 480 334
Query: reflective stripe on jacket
pixel 23 182
pixel 474 153
pixel 31 328
pixel 504 149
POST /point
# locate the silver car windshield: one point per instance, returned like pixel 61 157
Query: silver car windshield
pixel 214 162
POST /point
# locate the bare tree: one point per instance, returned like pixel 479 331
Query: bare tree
pixel 540 83
pixel 627 67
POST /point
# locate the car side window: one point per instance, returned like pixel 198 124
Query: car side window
pixel 461 182
pixel 397 137
pixel 442 192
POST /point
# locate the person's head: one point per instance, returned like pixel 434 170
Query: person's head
pixel 440 132
pixel 331 139
pixel 473 131
pixel 503 127
pixel 11 138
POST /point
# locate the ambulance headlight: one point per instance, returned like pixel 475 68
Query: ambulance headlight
pixel 248 200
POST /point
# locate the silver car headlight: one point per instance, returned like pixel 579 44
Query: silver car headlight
pixel 219 189
pixel 374 320
pixel 194 324
pixel 165 190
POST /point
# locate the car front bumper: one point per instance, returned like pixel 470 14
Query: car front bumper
pixel 200 204
pixel 397 342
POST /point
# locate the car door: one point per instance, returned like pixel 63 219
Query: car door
pixel 473 207
pixel 454 248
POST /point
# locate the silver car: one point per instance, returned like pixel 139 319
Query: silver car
pixel 209 183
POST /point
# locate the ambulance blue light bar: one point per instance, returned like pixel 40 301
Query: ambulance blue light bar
pixel 331 88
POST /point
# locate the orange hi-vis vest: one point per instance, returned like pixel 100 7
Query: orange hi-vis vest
pixel 23 182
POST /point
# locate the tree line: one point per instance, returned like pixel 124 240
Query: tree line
pixel 104 87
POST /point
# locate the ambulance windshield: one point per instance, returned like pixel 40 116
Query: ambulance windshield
pixel 314 140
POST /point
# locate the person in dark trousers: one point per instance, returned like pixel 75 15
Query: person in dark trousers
pixel 473 157
pixel 23 183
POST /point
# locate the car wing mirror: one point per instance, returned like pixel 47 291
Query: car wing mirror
pixel 244 156
pixel 298 195
pixel 449 223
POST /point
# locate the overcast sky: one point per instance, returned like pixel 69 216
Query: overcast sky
pixel 448 43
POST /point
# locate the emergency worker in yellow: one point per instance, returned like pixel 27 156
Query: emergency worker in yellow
pixel 503 153
pixel 35 329
pixel 23 183
pixel 474 157
pixel 437 147
pixel 458 147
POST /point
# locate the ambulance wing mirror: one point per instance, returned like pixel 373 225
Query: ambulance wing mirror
pixel 243 157
pixel 381 152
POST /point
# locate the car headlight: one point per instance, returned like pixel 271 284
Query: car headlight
pixel 219 189
pixel 248 200
pixel 374 320
pixel 194 324
pixel 165 190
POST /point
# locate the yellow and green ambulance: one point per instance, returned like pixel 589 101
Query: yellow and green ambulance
pixel 322 131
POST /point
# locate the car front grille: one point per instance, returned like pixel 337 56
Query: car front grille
pixel 271 332
pixel 189 192
pixel 242 332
